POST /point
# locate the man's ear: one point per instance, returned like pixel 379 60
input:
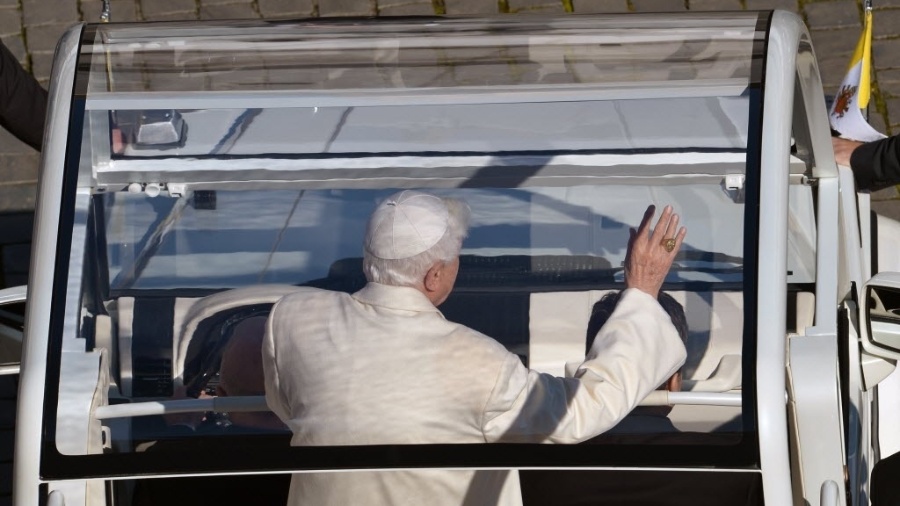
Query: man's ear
pixel 433 277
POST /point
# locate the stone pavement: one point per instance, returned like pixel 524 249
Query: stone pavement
pixel 30 28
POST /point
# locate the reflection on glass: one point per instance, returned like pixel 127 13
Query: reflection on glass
pixel 312 236
pixel 398 55
pixel 12 322
pixel 706 122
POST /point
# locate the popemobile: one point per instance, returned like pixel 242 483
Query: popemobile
pixel 194 173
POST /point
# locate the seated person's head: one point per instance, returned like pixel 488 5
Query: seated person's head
pixel 414 238
pixel 607 304
pixel 241 372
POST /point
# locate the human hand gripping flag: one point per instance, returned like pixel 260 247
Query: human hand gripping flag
pixel 846 115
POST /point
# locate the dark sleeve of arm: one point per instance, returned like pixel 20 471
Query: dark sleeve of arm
pixel 23 102
pixel 876 165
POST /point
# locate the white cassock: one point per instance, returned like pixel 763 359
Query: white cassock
pixel 383 366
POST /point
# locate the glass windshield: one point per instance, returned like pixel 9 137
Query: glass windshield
pixel 224 167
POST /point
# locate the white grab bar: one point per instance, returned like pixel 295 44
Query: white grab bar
pixel 258 403
pixel 218 404
pixel 666 398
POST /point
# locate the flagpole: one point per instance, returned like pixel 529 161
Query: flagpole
pixel 867 20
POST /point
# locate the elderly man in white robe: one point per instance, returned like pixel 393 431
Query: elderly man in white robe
pixel 383 366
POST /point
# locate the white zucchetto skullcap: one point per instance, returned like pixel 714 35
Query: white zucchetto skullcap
pixel 406 224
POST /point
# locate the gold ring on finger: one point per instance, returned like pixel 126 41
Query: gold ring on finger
pixel 669 244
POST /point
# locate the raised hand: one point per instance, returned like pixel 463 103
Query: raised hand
pixel 650 254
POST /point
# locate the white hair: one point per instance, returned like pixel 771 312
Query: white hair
pixel 410 271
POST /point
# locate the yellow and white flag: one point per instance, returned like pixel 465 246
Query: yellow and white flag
pixel 846 113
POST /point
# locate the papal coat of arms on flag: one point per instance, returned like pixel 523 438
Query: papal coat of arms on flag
pixel 843 100
pixel 846 115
